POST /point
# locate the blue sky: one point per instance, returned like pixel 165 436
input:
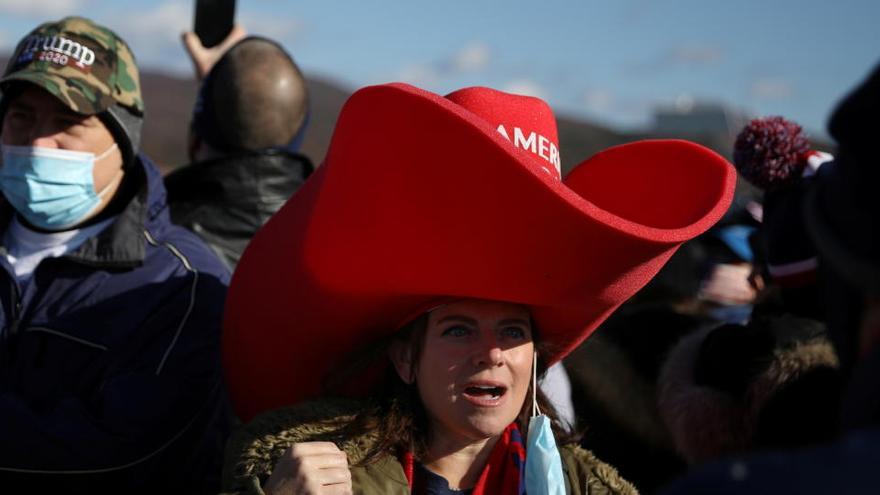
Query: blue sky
pixel 612 62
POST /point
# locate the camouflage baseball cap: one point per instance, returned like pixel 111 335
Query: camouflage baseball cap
pixel 86 66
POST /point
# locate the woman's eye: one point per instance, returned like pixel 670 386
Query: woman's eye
pixel 456 331
pixel 514 332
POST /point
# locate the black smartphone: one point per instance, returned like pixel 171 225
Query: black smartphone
pixel 214 20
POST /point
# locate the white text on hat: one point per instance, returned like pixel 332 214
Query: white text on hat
pixel 62 47
pixel 535 143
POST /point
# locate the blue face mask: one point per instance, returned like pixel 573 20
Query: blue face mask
pixel 52 189
pixel 739 314
pixel 543 463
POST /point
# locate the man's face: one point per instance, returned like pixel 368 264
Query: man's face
pixel 36 118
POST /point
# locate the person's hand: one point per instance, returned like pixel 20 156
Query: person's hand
pixel 310 468
pixel 205 58
pixel 729 284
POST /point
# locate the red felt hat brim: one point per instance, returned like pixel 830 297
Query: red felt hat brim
pixel 420 200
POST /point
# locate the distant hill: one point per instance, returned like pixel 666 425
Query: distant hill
pixel 169 100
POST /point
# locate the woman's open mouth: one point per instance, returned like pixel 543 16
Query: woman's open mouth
pixel 484 394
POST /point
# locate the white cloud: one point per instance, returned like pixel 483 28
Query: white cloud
pixel 162 24
pixel 418 75
pixel 154 35
pixel 636 11
pixel 598 100
pixel 685 103
pixel 696 54
pixel 171 18
pixel 277 28
pixel 471 58
pixel 688 55
pixel 58 8
pixel 610 108
pixel 525 87
pixel 771 88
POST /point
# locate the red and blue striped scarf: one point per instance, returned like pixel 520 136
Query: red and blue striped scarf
pixel 504 472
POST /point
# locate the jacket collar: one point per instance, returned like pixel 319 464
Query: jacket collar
pixel 246 176
pixel 121 244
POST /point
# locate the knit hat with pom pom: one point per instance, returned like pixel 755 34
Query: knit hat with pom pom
pixel 774 154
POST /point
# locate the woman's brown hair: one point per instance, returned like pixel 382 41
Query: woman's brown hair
pixel 395 413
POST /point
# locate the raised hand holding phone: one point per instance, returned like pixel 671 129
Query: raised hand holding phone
pixel 213 34
pixel 213 20
pixel 204 58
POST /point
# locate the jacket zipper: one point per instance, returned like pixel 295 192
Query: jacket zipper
pixel 16 311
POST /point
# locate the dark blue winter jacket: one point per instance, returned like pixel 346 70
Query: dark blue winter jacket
pixel 110 375
pixel 846 466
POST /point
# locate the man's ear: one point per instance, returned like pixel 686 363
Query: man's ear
pixel 400 354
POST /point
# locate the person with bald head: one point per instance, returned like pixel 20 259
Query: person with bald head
pixel 248 123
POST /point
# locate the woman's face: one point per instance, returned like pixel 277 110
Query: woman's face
pixel 475 367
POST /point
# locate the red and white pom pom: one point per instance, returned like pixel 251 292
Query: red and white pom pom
pixel 771 152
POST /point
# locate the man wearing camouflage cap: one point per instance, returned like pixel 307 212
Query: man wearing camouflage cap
pixel 110 316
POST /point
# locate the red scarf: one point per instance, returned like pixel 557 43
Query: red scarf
pixel 504 472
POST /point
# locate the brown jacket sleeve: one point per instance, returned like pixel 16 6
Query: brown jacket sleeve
pixel 587 475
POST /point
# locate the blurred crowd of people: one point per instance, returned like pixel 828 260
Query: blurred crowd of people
pixel 426 318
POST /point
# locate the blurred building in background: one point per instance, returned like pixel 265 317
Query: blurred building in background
pixel 689 117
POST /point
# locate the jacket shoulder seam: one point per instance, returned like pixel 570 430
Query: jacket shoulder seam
pixel 192 296
pixel 63 335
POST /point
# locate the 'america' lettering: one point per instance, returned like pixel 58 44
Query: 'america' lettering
pixel 520 141
pixel 534 142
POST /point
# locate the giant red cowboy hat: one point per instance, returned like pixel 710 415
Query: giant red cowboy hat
pixel 423 198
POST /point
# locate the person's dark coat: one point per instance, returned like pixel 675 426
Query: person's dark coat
pixel 110 376
pixel 773 383
pixel 226 200
pixel 846 466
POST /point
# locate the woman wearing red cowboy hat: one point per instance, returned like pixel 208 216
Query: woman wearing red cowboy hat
pixel 423 273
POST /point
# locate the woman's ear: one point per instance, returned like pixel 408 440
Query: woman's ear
pixel 400 354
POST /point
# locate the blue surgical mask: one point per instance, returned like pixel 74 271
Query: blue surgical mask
pixel 739 314
pixel 543 463
pixel 52 189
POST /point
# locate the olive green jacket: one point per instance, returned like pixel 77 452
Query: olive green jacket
pixel 253 451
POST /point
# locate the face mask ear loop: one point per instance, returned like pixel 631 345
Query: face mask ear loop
pixel 535 410
pixel 116 178
pixel 106 152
